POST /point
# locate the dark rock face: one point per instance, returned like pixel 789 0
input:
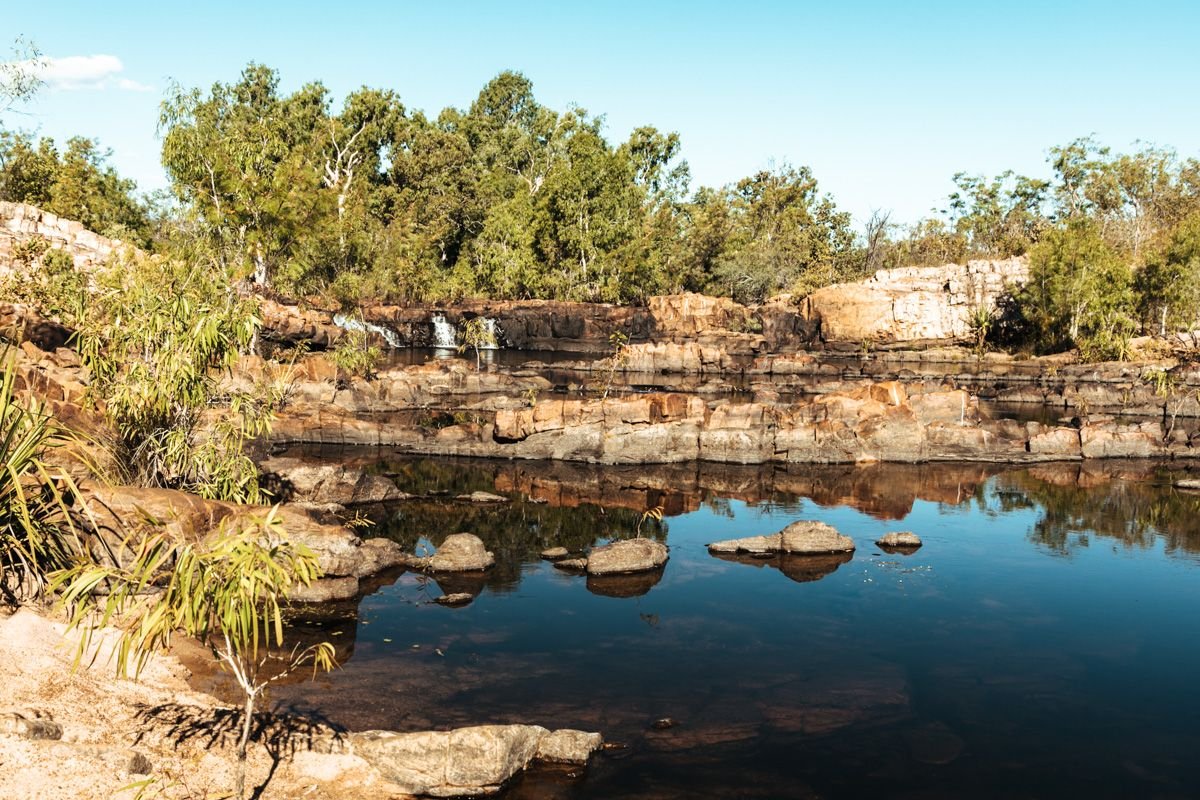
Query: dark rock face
pixel 801 569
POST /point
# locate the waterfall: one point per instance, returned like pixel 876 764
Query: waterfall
pixel 494 332
pixel 355 324
pixel 444 336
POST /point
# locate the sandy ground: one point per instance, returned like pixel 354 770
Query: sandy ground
pixel 187 737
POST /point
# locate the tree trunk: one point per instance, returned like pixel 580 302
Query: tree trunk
pixel 243 744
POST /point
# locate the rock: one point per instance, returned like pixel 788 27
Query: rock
pixel 30 725
pixel 460 552
pixel 566 746
pixel 571 564
pixel 325 590
pixel 807 536
pixel 629 555
pixel 455 599
pixel 1191 484
pixel 293 479
pixel 482 497
pixel 555 553
pixel 459 763
pixel 749 544
pixel 911 304
pixel 379 554
pixel 899 541
pixel 663 723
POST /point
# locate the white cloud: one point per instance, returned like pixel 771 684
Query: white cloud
pixel 75 73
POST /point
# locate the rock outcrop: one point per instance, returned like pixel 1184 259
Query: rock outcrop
pixel 468 762
pixel 460 552
pixel 912 304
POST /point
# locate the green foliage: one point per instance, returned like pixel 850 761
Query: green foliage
pixel 476 334
pixel 227 592
pixel 156 333
pixel 775 233
pixel 356 355
pixel 47 279
pixel 78 184
pixel 19 76
pixel 1079 293
pixel 37 535
pixel 1169 285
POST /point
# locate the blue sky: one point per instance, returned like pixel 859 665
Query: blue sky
pixel 885 101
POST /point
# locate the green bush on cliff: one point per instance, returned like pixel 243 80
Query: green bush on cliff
pixel 156 334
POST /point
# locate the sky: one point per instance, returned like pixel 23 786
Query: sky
pixel 885 102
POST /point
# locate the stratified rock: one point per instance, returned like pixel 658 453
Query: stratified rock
pixel 482 497
pixel 566 746
pixel 455 599
pixel 807 536
pixel 459 763
pixel 630 555
pixel 899 540
pixel 555 553
pixel 461 552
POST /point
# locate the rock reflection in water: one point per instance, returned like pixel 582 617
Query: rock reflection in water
pixel 980 661
pixel 801 569
pixel 634 585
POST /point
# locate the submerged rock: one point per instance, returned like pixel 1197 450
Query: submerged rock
pixel 630 555
pixel 482 497
pixel 454 599
pixel 902 541
pixel 468 761
pixel 571 564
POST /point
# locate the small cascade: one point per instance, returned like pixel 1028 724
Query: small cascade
pixel 355 324
pixel 444 335
pixel 494 333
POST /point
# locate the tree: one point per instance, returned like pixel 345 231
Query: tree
pixel 227 592
pixel 156 333
pixel 783 235
pixel 1079 293
pixel 78 184
pixel 476 334
pixel 20 76
pixel 1169 285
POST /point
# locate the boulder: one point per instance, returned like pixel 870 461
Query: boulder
pixel 568 746
pixel 1191 484
pixel 555 553
pixel 899 540
pixel 460 552
pixel 468 761
pixel 809 537
pixel 325 590
pixel 629 555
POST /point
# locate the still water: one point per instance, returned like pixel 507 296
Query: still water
pixel 1044 642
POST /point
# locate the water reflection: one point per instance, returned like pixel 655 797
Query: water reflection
pixel 981 660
